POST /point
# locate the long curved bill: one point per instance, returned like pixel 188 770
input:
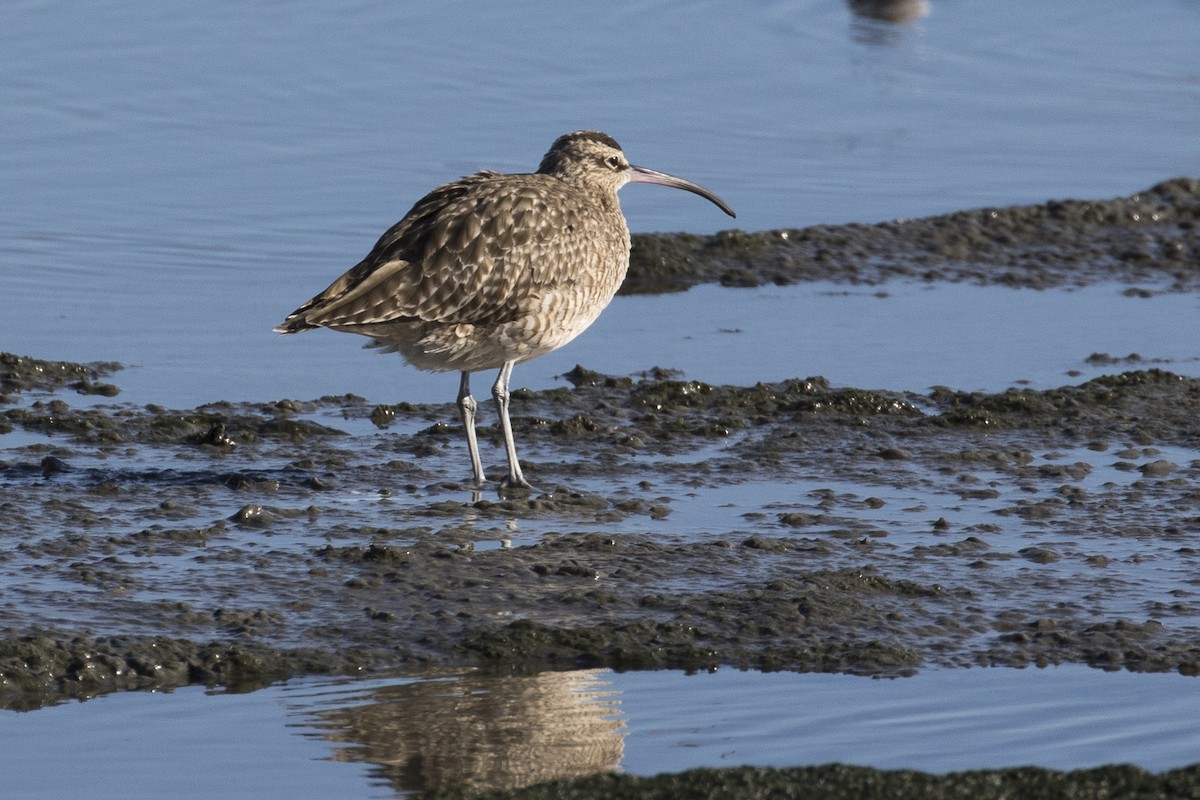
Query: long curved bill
pixel 647 175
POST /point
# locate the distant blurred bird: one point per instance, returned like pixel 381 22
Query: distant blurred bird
pixel 890 10
pixel 493 270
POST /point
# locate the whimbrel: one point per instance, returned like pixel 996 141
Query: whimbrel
pixel 493 270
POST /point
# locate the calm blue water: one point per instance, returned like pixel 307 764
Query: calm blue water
pixel 382 738
pixel 174 178
pixel 177 178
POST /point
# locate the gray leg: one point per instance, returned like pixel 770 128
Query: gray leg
pixel 500 395
pixel 466 409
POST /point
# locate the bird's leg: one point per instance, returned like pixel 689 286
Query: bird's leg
pixel 500 394
pixel 466 409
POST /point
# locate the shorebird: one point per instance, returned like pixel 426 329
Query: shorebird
pixel 493 270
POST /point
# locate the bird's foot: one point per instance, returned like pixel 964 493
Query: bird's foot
pixel 515 485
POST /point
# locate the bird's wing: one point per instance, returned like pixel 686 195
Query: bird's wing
pixel 468 252
pixel 357 296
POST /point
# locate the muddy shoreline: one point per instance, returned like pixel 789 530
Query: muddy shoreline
pixel 1147 237
pixel 240 543
pixel 835 781
pixel 824 591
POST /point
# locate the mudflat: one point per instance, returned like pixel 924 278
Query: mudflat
pixel 240 543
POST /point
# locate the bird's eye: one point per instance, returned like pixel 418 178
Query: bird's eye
pixel 613 162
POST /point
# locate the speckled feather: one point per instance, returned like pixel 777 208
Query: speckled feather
pixel 484 270
pixel 493 270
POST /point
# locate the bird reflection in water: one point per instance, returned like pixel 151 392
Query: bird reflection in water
pixel 485 732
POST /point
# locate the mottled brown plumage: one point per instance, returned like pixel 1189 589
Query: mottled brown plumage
pixel 492 270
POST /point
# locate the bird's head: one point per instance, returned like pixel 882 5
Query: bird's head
pixel 594 160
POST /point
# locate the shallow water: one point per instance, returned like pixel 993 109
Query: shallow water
pixel 177 179
pixel 385 737
pixel 901 336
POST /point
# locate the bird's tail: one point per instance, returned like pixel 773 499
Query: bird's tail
pixel 295 323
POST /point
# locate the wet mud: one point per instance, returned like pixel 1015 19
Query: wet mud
pixel 833 782
pixel 1148 237
pixel 241 543
pixel 840 529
